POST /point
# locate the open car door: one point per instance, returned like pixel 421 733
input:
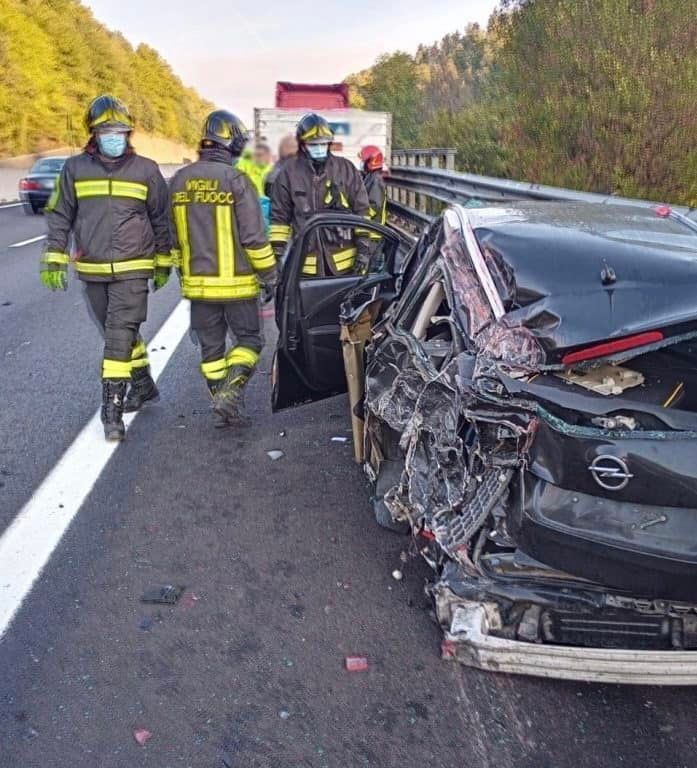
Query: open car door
pixel 308 363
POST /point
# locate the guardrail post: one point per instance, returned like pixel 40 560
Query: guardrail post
pixel 411 196
pixel 421 199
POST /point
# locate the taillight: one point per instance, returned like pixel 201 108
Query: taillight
pixel 612 347
pixel 27 184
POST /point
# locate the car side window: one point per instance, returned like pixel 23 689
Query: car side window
pixel 341 251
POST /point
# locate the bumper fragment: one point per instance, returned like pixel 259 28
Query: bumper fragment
pixel 469 642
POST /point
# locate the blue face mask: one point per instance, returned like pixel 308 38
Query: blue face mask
pixel 112 144
pixel 318 151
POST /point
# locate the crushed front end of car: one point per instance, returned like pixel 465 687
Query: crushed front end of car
pixel 531 413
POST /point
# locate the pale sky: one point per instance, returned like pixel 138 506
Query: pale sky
pixel 234 53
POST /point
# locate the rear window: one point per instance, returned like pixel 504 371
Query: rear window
pixel 49 165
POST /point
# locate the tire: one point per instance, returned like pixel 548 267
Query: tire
pixel 31 209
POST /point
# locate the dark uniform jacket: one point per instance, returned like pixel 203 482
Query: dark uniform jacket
pixel 377 196
pixel 219 231
pixel 118 211
pixel 299 192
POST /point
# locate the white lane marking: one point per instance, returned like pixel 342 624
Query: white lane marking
pixel 27 242
pixel 29 541
pixel 10 205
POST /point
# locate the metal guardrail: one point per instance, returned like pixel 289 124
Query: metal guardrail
pixel 417 192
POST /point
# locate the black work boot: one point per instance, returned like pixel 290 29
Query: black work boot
pixel 141 391
pixel 113 393
pixel 228 401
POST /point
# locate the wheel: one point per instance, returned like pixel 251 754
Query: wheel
pixel 31 209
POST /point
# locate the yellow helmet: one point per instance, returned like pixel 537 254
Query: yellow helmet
pixel 107 111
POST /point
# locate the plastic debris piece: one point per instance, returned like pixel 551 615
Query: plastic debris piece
pixel 339 439
pixel 356 663
pixel 282 433
pixel 448 649
pixel 397 575
pixel 142 736
pixel 145 623
pixel 166 595
pixel 284 714
pixel 189 600
pixel 275 455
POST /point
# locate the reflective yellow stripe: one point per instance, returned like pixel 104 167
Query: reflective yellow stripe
pixel 344 200
pixel 344 259
pixel 317 131
pixel 242 356
pixel 55 257
pixel 105 187
pixel 139 350
pixel 116 369
pixel 164 260
pixel 142 362
pixel 211 288
pixel 215 370
pixel 369 233
pixel 176 258
pixel 280 233
pixel 261 258
pixel 183 238
pixel 94 188
pixel 129 189
pixel 55 196
pixel 115 267
pixel 310 265
pixel 113 116
pixel 226 244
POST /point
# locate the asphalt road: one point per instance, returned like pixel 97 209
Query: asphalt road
pixel 285 575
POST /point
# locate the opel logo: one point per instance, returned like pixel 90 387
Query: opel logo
pixel 610 473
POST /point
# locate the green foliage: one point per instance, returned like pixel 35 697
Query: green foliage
pixel 55 57
pixel 392 87
pixel 590 94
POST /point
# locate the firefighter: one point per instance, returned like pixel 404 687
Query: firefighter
pixel 372 162
pixel 223 254
pixel 116 204
pixel 317 181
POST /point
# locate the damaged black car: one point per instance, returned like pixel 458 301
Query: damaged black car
pixel 523 386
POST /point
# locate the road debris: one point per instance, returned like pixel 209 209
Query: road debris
pixel 356 663
pixel 397 575
pixel 146 623
pixel 165 595
pixel 142 736
pixel 189 600
pixel 340 439
pixel 275 455
pixel 284 714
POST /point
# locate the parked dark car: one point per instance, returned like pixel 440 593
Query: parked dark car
pixel 37 186
pixel 527 408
